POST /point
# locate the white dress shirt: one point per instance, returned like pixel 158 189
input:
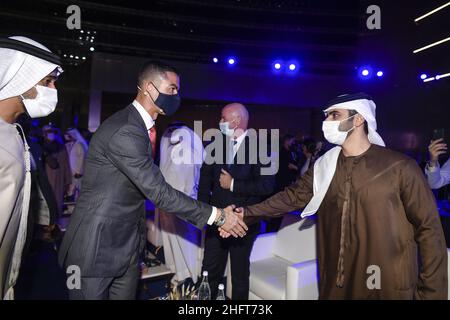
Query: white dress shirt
pixel 235 149
pixel 149 123
pixel 148 120
pixel 437 176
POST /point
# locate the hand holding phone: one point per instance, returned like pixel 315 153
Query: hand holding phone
pixel 438 134
pixel 437 146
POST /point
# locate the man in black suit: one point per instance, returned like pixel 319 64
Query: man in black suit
pixel 233 182
pixel 107 229
pixel 43 205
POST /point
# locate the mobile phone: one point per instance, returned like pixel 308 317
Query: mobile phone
pixel 438 134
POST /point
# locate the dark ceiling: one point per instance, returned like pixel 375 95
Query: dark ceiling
pixel 322 35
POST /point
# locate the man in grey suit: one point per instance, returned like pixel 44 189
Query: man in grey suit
pixel 107 229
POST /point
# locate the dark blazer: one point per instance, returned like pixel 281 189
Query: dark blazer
pixel 108 224
pixel 250 187
pixel 285 176
pixel 40 180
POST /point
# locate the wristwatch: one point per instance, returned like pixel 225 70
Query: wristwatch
pixel 221 221
pixel 430 164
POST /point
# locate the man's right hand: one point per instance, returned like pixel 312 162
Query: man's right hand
pixel 225 234
pixel 240 210
pixel 234 223
pixel 436 148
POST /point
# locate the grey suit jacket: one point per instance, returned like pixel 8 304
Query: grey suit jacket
pixel 108 224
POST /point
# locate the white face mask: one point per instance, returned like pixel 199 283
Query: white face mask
pixel 44 103
pixel 333 134
pixel 225 129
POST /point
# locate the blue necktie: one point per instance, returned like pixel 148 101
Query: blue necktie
pixel 230 154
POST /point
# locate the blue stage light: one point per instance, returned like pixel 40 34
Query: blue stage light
pixel 231 61
pixel 423 76
pixel 380 73
pixel 366 72
pixel 215 60
pixel 277 66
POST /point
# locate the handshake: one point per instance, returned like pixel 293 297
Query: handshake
pixel 230 221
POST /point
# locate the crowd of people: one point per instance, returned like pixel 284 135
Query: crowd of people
pixel 57 161
pixel 208 211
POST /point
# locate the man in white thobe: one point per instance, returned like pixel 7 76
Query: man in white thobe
pixel 28 71
pixel 181 159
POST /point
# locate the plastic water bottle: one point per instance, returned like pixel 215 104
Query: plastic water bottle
pixel 204 291
pixel 221 294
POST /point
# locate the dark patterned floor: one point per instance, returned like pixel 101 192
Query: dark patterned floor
pixel 41 278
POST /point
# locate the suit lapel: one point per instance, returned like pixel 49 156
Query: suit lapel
pixel 225 166
pixel 135 118
pixel 242 148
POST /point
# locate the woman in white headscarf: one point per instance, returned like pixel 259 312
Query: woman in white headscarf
pixel 181 159
pixel 77 148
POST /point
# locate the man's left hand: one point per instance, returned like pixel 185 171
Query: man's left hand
pixel 225 180
pixel 224 234
pixel 234 224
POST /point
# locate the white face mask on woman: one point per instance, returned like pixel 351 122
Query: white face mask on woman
pixel 333 134
pixel 44 103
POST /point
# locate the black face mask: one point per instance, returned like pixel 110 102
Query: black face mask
pixel 169 103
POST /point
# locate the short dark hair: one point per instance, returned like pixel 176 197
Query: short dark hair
pixel 366 127
pixel 310 145
pixel 287 137
pixel 154 68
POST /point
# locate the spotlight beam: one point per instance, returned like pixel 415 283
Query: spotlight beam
pixel 431 12
pixel 432 45
pixel 437 77
pixel 445 75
